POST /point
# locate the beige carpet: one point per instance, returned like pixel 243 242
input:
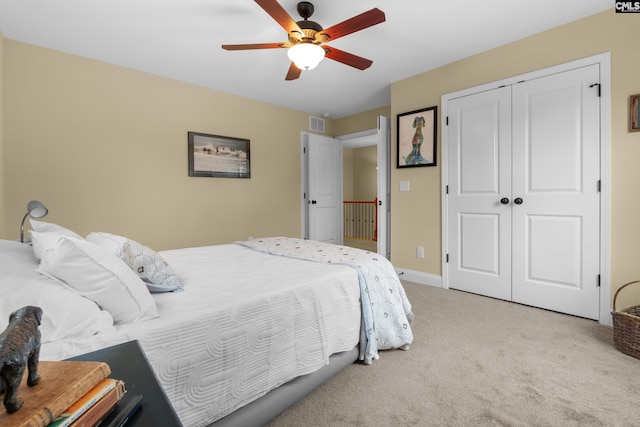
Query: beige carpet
pixel 477 361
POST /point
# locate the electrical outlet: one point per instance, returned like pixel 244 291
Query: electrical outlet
pixel 250 238
pixel 419 252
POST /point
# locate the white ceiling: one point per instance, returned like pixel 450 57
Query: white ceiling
pixel 181 39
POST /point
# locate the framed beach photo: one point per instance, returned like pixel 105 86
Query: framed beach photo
pixel 417 138
pixel 634 113
pixel 219 156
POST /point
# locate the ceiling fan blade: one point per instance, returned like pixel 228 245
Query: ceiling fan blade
pixel 277 12
pixel 357 23
pixel 253 46
pixel 347 58
pixel 293 73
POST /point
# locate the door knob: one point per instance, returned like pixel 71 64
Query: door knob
pixel 504 201
pixel 518 201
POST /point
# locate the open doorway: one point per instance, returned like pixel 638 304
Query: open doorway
pixel 366 182
pixel 360 192
pixel 322 217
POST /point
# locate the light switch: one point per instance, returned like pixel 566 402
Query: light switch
pixel 404 185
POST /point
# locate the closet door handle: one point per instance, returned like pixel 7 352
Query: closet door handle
pixel 504 201
pixel 518 201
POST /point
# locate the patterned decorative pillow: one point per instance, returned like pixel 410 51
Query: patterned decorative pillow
pixel 150 266
pixel 144 261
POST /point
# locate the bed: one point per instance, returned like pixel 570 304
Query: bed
pixel 235 333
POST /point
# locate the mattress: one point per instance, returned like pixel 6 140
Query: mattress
pixel 245 323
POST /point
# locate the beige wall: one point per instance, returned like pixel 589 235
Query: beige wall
pixel 358 182
pixel 604 32
pixel 360 174
pixel 360 122
pixel 2 168
pixel 347 173
pixel 365 182
pixel 105 148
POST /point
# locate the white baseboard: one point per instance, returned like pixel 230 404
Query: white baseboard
pixel 419 277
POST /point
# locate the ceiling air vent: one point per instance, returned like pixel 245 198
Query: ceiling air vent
pixel 316 124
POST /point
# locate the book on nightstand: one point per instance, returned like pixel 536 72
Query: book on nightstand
pixel 61 385
pixel 90 409
pixel 124 410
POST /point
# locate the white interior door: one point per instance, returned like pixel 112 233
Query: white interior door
pixel 479 165
pixel 324 199
pixel 384 187
pixel 523 202
pixel 556 164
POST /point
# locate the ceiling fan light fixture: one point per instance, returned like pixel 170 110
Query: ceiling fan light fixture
pixel 306 56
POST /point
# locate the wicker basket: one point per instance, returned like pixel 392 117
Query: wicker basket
pixel 626 326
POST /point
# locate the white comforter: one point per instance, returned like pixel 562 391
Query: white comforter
pixel 245 323
pixel 386 311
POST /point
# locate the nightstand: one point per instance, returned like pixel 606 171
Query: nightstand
pixel 129 364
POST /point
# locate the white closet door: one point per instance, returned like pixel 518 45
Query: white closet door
pixel 479 170
pixel 534 146
pixel 556 172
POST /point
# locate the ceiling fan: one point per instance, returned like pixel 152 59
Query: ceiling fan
pixel 306 38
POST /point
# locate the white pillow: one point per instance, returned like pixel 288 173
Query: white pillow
pixel 45 235
pixel 144 261
pixel 66 314
pixel 100 276
pixel 112 242
pixel 15 257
